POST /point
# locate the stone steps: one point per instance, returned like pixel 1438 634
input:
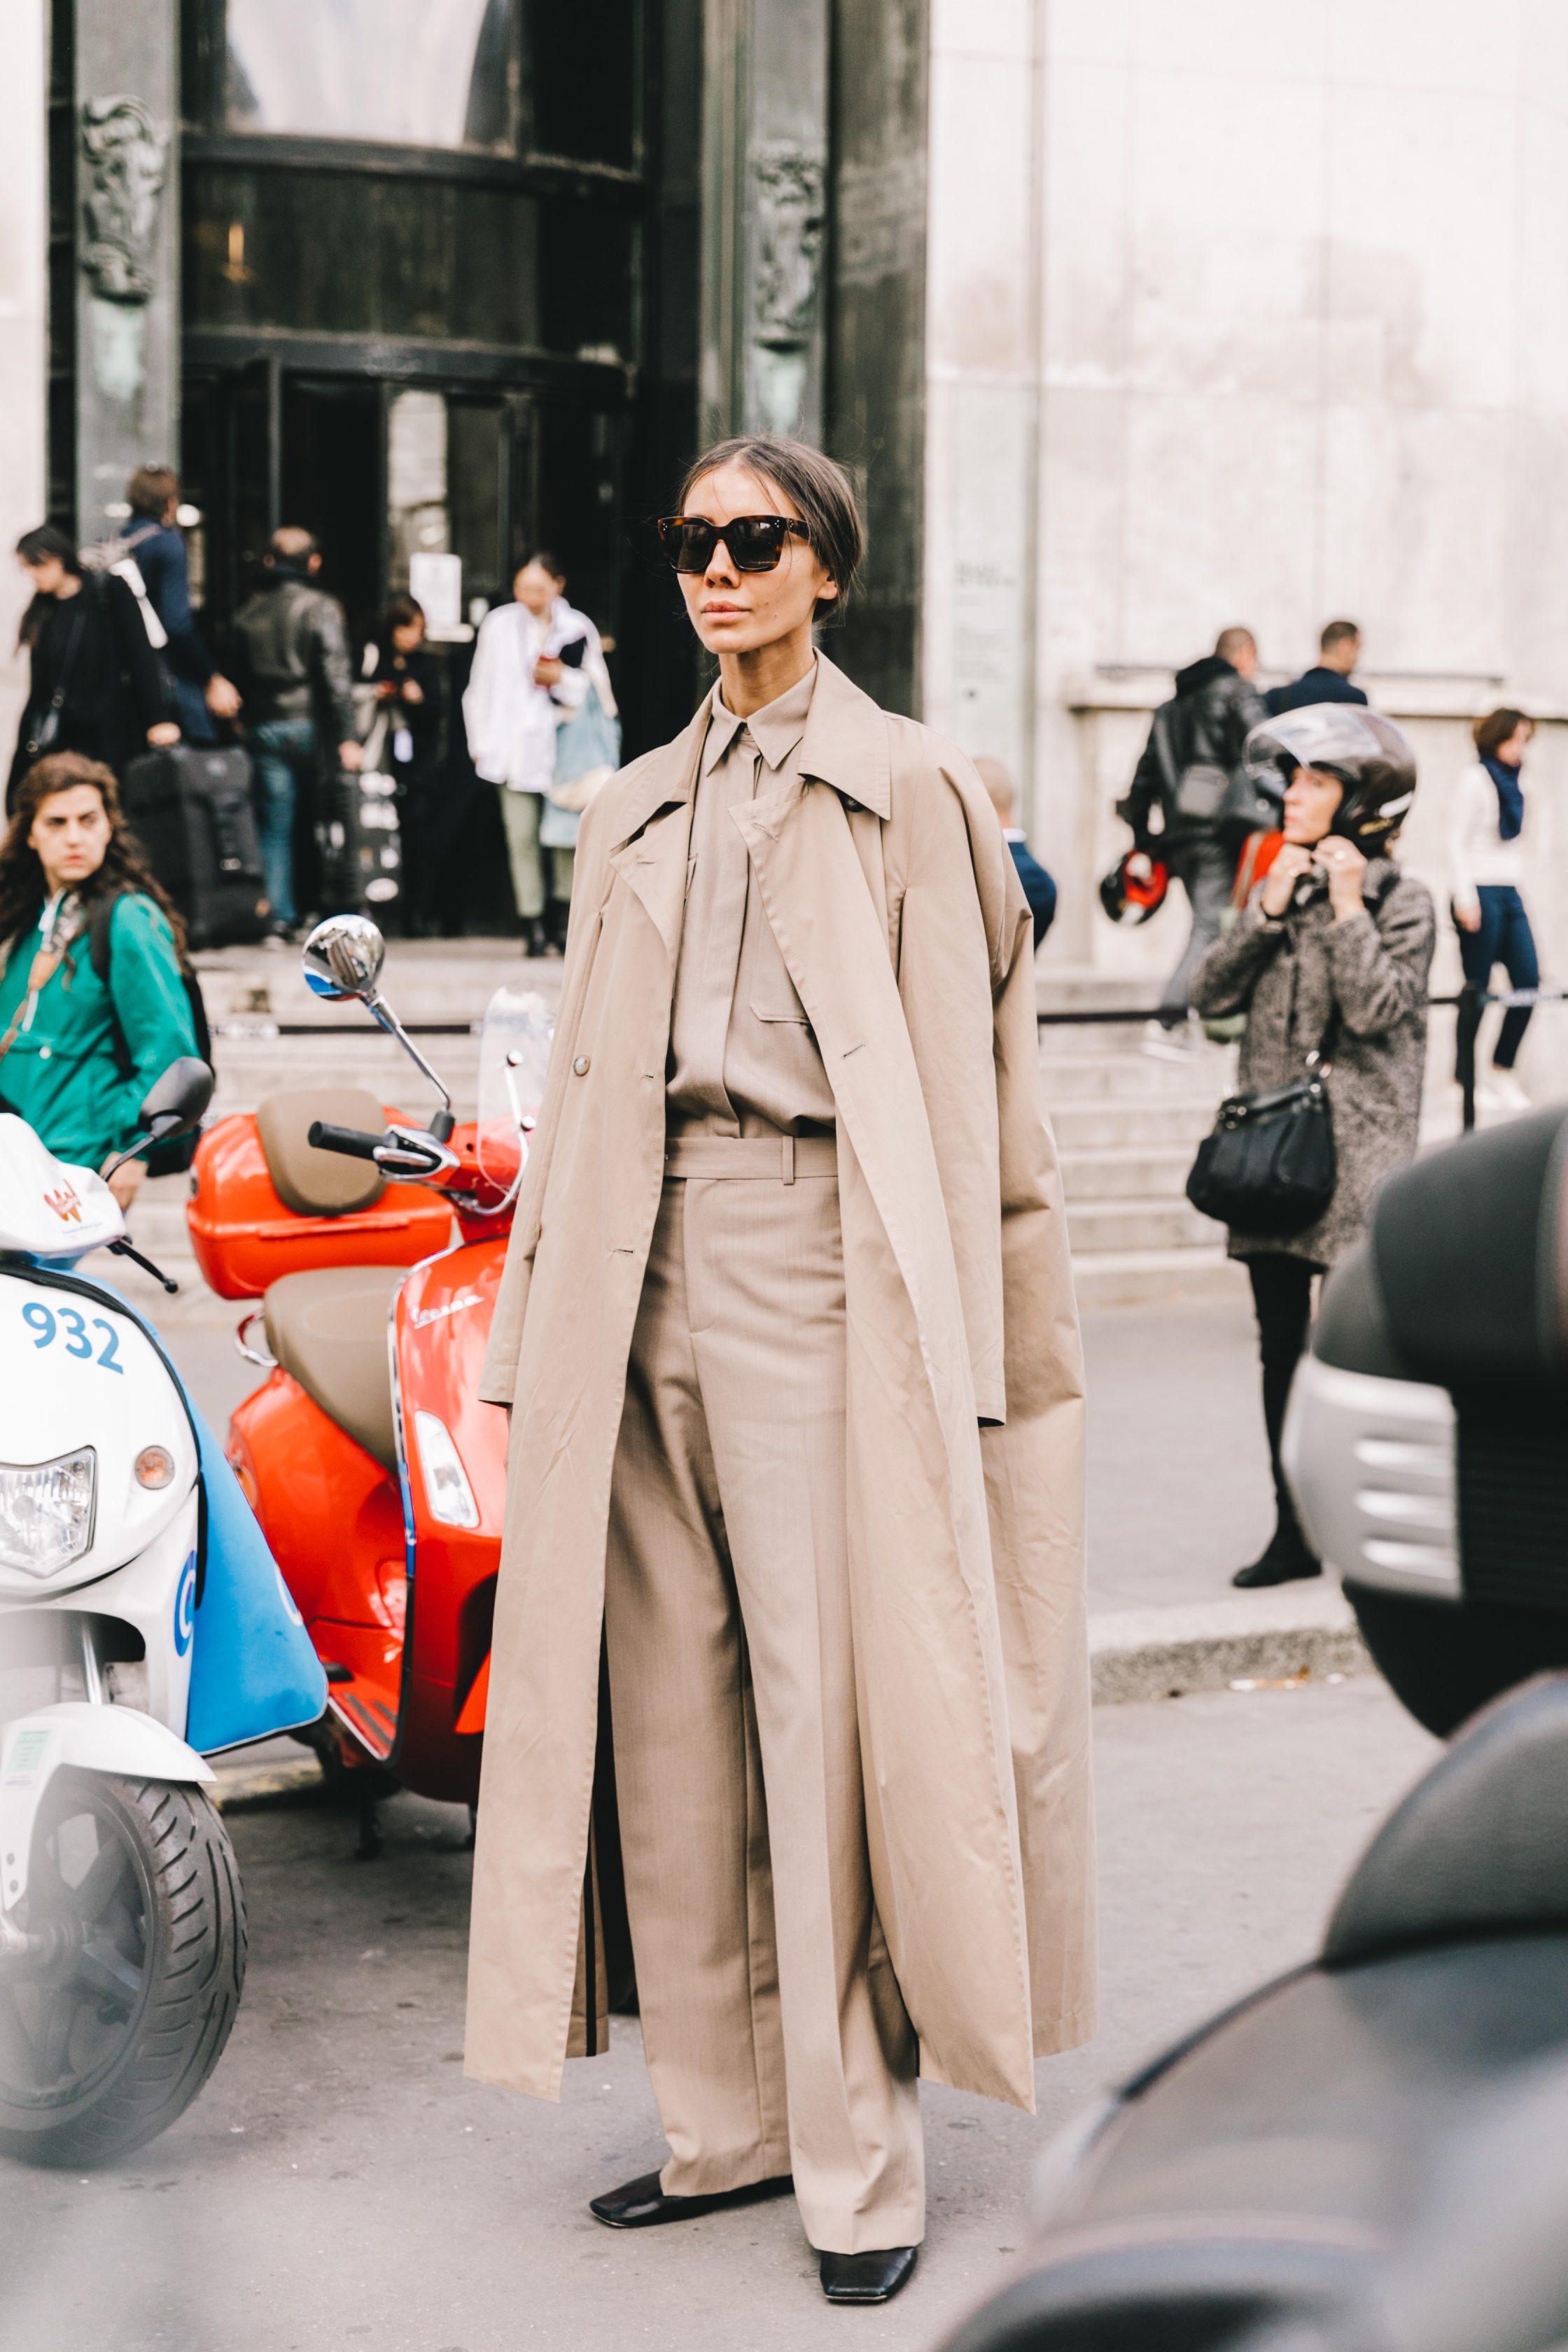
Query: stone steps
pixel 1126 1172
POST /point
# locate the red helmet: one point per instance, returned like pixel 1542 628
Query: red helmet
pixel 1132 897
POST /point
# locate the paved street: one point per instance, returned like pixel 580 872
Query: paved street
pixel 340 2183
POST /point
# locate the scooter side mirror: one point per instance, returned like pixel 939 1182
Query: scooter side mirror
pixel 175 1101
pixel 342 957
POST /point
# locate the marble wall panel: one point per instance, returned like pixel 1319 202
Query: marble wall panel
pixel 1534 556
pixel 1221 500
pixel 24 246
pixel 1098 32
pixel 982 294
pixel 1418 219
pixel 1226 197
pixel 1088 181
pixel 1211 41
pixel 982 28
pixel 1415 536
pixel 1083 510
pixel 1401 45
pixel 1528 311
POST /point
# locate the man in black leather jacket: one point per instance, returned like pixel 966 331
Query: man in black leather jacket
pixel 291 658
pixel 1173 803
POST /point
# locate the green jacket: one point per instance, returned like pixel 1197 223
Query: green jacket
pixel 61 1072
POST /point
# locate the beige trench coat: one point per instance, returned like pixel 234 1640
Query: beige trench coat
pixel 898 910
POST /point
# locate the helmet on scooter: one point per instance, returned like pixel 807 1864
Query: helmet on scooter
pixel 1371 760
pixel 1133 895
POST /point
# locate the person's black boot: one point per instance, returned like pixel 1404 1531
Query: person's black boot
pixel 534 943
pixel 555 915
pixel 1287 1557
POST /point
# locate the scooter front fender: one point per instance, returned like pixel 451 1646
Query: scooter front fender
pixel 118 1739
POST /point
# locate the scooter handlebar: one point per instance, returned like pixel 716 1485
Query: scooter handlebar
pixel 354 1142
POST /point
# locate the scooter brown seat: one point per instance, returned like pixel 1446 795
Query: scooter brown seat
pixel 327 1328
pixel 319 1183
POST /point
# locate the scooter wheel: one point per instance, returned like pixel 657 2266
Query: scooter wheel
pixel 106 2041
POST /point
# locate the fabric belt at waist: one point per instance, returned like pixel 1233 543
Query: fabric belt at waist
pixel 756 1159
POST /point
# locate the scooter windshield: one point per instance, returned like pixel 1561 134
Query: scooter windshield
pixel 514 1049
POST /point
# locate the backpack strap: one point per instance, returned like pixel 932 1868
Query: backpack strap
pixel 99 943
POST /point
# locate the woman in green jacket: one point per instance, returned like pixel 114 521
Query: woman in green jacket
pixel 77 1056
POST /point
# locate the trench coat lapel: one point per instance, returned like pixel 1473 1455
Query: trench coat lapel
pixel 656 833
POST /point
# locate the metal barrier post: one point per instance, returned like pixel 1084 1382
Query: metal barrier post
pixel 1467 1028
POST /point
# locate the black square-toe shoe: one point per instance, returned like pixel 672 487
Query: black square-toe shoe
pixel 867 2278
pixel 643 2205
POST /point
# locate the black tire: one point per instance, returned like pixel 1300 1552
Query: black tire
pixel 106 2046
pixel 1443 1660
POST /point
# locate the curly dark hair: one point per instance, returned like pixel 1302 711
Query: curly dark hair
pixel 23 892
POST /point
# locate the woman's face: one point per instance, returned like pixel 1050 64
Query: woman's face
pixel 1512 753
pixel 737 612
pixel 1311 800
pixel 70 833
pixel 536 588
pixel 408 636
pixel 46 575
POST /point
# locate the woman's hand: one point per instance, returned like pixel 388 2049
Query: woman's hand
pixel 1345 867
pixel 163 733
pixel 412 690
pixel 548 671
pixel 1468 916
pixel 1282 876
pixel 126 1182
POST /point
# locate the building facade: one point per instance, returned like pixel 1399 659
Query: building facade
pixel 1131 320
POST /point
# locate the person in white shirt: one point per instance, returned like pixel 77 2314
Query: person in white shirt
pixel 531 671
pixel 1486 866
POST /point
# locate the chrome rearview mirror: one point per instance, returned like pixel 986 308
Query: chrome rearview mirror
pixel 343 955
pixel 343 958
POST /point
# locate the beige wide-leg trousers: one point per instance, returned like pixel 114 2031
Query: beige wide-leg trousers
pixel 776 2038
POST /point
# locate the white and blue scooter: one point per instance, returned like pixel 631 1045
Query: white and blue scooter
pixel 132 1573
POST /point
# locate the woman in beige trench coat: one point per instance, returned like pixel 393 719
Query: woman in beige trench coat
pixel 788 1337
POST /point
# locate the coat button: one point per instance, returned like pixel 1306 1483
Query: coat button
pixel 44 1053
pixel 579 1066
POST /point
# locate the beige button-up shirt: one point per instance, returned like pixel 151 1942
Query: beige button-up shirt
pixel 743 1058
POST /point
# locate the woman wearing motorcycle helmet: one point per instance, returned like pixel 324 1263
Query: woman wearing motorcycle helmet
pixel 1328 958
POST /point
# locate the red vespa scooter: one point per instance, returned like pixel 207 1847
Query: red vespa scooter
pixel 377 1475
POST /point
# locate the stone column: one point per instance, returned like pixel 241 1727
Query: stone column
pixel 765 169
pixel 23 356
pixel 127 248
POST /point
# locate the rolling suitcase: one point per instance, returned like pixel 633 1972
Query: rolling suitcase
pixel 190 807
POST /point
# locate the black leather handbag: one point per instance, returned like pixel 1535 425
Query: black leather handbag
pixel 1267 1165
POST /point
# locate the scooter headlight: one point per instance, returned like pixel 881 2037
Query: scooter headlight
pixel 47 1512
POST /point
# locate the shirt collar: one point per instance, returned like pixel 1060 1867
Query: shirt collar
pixel 776 729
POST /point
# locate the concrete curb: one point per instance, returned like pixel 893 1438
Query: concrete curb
pixel 1283 1634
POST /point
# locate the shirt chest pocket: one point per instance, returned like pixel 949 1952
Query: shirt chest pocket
pixel 773 998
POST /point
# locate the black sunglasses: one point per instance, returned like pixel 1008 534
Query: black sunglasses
pixel 755 541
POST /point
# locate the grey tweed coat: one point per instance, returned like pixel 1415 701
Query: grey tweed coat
pixel 1289 979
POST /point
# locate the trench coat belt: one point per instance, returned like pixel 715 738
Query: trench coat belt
pixel 758 1158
